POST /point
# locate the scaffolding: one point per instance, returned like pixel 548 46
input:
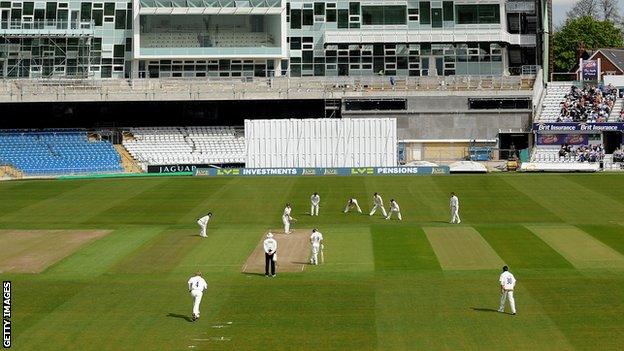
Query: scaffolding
pixel 46 49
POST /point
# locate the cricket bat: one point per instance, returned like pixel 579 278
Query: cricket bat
pixel 322 254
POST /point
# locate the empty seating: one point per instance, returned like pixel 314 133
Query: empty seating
pixel 196 39
pixel 551 105
pixel 186 145
pixel 57 152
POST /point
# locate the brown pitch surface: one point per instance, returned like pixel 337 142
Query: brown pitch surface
pixel 293 252
pixel 32 251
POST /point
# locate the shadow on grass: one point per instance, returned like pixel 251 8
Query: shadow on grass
pixel 484 309
pixel 181 316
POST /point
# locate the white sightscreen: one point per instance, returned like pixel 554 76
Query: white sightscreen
pixel 347 142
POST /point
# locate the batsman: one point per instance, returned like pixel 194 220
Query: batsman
pixel 316 240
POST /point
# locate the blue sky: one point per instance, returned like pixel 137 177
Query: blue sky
pixel 560 7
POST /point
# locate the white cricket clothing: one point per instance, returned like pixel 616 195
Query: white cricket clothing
pixel 315 200
pixel 507 280
pixel 203 223
pixel 270 245
pixel 508 283
pixel 454 204
pixel 378 204
pixel 394 208
pixel 197 285
pixel 286 220
pixel 316 238
pixel 352 203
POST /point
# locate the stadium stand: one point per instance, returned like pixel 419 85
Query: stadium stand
pixel 185 145
pixel 57 152
pixel 568 153
pixel 551 105
pixel 589 104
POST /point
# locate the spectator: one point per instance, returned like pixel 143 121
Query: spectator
pixel 590 104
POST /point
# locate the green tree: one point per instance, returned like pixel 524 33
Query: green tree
pixel 593 34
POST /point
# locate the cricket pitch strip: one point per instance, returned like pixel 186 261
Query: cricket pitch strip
pixel 293 252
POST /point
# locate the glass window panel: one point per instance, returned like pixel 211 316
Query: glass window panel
pixel 50 11
pixel 372 15
pixel 98 16
pixel 343 18
pixel 308 17
pixel 319 8
pixel 394 15
pixel 467 14
pixel 120 19
pixel 330 16
pixel 109 9
pixel 129 20
pixel 295 19
pixel 29 8
pixel 489 13
pixel 354 8
pixel 447 6
pixel 85 11
pixel 425 12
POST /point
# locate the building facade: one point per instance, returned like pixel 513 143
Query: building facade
pixel 260 38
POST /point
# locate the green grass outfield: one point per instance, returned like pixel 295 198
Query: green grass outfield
pixel 421 284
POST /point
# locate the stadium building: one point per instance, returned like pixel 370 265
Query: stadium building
pixel 266 38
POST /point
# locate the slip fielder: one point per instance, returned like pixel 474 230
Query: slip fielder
pixel 197 285
pixel 352 203
pixel 315 200
pixel 394 208
pixel 316 240
pixel 378 203
pixel 203 223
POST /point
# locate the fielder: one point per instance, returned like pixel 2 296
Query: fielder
pixel 378 203
pixel 352 203
pixel 394 208
pixel 197 285
pixel 507 284
pixel 315 200
pixel 316 240
pixel 286 218
pixel 454 209
pixel 203 223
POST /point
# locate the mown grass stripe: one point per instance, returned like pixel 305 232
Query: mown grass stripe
pixel 462 248
pixel 520 248
pixel 579 248
pixel 400 247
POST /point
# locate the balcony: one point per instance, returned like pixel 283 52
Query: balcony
pixel 17 28
pixel 210 7
pixel 460 33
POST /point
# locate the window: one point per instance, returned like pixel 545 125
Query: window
pixel 308 17
pixel 119 51
pixel 447 7
pixel 331 16
pixel 50 11
pixel 120 19
pixel 295 19
pixel 97 17
pixel 474 14
pixel 343 18
pixel 128 44
pixel 319 8
pixel 109 9
pixel 85 11
pixel 29 8
pixel 354 8
pixel 412 14
pixel 425 12
pixel 384 15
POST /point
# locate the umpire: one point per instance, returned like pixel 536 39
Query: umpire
pixel 270 247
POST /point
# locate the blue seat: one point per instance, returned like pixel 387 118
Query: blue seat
pixel 57 152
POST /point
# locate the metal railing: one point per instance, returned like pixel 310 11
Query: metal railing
pixel 45 25
pixel 197 88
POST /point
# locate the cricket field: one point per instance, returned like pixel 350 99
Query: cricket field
pixel 102 264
